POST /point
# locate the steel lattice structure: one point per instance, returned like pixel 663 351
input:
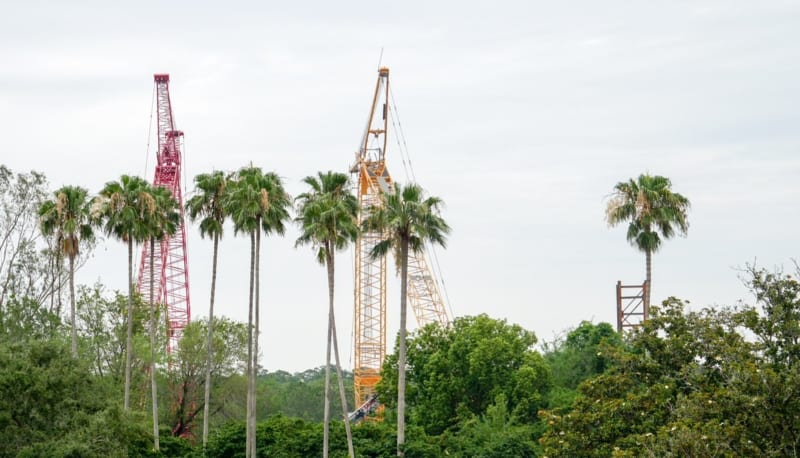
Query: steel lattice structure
pixel 170 264
pixel 370 277
pixel 423 294
pixel 632 307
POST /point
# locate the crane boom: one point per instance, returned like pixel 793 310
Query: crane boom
pixel 170 264
pixel 423 294
pixel 373 182
pixel 370 275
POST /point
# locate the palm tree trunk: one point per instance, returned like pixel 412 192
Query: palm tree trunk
pixel 129 335
pixel 249 433
pixel 332 335
pixel 256 307
pixel 60 281
pixel 327 407
pixel 401 353
pixel 649 261
pixel 72 306
pixel 153 385
pixel 209 343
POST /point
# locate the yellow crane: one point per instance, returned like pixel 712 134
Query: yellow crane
pixel 373 181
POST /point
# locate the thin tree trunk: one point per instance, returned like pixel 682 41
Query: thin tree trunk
pixel 60 281
pixel 129 335
pixel 249 434
pixel 153 385
pixel 327 407
pixel 332 334
pixel 401 353
pixel 210 343
pixel 649 261
pixel 256 307
pixel 72 306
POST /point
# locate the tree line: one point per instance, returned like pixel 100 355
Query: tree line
pixel 135 212
pixel 707 382
pixel 716 381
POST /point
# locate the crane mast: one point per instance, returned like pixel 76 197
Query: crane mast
pixel 170 267
pixel 370 277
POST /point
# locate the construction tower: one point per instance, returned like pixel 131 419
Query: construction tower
pixel 170 264
pixel 373 180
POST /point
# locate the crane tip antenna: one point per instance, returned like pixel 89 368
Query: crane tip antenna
pixel 380 58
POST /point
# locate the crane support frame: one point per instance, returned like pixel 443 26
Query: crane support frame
pixel 373 182
pixel 370 276
pixel 171 270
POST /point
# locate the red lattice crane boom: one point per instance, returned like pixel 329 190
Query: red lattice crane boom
pixel 170 263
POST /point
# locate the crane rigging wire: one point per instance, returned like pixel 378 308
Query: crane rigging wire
pixel 147 150
pixel 406 158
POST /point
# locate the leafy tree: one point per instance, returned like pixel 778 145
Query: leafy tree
pixel 286 437
pixel 53 405
pixel 773 391
pixel 188 376
pixel 102 328
pixel 456 373
pixel 493 434
pixel 208 205
pixel 408 220
pixel 630 402
pixel 713 382
pixel 581 355
pixel 23 272
pixel 24 319
pixel 257 202
pixel 301 394
pixel 652 211
pixel 68 218
pixel 43 393
pixel 122 207
pixel 328 218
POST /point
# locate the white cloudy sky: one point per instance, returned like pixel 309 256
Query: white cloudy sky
pixel 520 115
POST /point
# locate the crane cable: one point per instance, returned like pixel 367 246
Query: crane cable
pixel 147 149
pixel 406 157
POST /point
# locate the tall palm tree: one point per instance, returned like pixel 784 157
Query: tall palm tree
pixel 407 220
pixel 208 205
pixel 68 218
pixel 652 211
pixel 256 202
pixel 161 217
pixel 327 215
pixel 122 208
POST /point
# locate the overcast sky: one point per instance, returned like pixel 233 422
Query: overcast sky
pixel 520 115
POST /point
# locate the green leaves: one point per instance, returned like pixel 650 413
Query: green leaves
pixel 712 382
pixel 208 202
pixel 458 372
pixel 257 200
pixel 406 216
pixel 327 214
pixel 651 208
pixel 123 208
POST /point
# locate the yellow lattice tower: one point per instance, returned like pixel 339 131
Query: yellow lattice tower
pixel 370 277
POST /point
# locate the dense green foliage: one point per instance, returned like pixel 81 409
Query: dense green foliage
pixel 714 382
pixel 579 356
pixel 689 381
pixel 456 373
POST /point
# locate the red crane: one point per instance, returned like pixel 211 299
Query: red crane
pixel 170 264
